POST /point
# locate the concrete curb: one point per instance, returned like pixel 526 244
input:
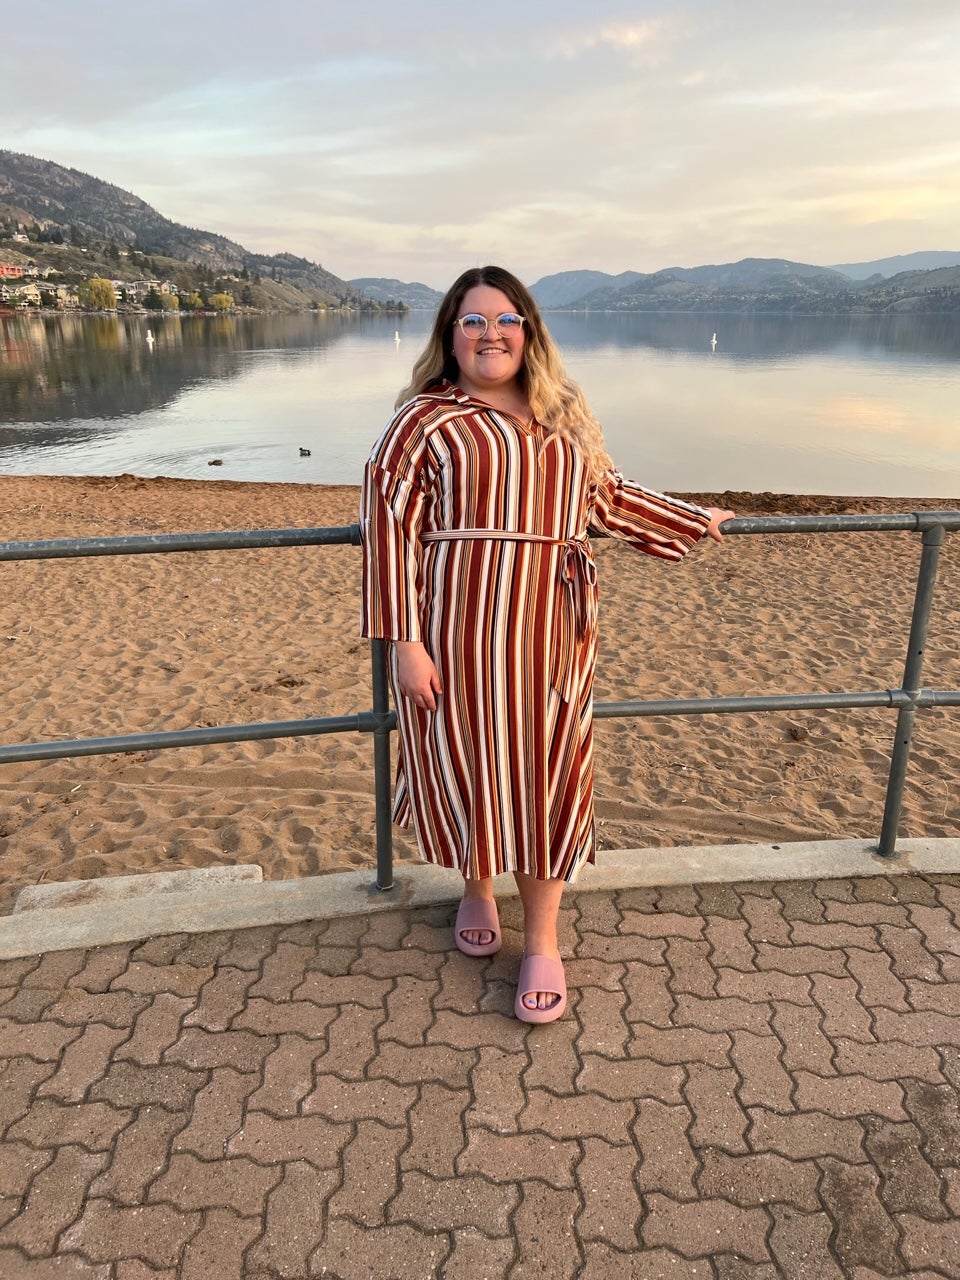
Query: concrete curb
pixel 91 913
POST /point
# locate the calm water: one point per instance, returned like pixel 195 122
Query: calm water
pixel 850 405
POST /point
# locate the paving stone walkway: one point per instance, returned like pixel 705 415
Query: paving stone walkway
pixel 752 1081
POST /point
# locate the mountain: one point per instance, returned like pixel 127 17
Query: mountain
pixel 756 285
pixel 81 207
pixel 904 262
pixel 417 296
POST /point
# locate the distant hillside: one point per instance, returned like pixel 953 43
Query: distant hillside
pixel 81 208
pixel 417 296
pixel 904 262
pixel 567 286
pixel 756 285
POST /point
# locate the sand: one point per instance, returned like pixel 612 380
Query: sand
pixel 132 644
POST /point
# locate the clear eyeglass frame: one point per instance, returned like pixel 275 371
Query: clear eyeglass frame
pixel 474 326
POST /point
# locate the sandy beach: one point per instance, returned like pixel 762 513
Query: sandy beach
pixel 131 644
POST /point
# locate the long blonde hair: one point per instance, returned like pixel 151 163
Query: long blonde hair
pixel 555 399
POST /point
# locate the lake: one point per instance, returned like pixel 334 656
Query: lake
pixel 859 405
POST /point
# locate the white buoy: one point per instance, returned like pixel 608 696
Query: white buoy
pixel 150 338
pixel 713 343
pixel 396 336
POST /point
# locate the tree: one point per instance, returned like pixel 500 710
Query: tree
pixel 153 301
pixel 221 301
pixel 191 301
pixel 99 294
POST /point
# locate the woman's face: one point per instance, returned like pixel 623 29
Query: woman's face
pixel 493 362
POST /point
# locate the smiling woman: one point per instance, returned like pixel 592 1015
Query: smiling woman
pixel 477 504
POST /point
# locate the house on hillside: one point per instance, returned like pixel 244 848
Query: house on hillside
pixel 10 271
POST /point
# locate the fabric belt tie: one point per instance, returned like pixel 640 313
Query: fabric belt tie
pixel 578 573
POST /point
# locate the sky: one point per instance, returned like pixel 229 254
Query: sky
pixel 412 140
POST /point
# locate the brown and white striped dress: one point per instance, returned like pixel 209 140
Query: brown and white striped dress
pixel 475 542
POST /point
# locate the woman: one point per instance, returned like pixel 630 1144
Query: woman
pixel 477 502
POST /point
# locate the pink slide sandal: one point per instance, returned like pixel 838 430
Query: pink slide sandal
pixel 478 913
pixel 540 973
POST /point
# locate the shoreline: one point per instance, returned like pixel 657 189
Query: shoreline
pixel 112 645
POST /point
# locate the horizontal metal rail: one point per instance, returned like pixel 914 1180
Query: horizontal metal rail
pixel 381 720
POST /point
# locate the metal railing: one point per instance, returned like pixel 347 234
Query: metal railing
pixel 381 720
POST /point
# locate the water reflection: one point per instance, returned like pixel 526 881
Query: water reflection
pixel 846 404
pixel 103 367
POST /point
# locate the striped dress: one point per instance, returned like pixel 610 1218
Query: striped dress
pixel 475 543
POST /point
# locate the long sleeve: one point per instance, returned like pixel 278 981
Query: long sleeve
pixel 649 521
pixel 391 513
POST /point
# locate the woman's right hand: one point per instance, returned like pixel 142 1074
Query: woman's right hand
pixel 418 678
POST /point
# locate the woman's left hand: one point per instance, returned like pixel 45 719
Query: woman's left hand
pixel 717 517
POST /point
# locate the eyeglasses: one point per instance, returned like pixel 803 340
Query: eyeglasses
pixel 474 326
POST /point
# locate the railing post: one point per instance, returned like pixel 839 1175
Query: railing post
pixel 933 539
pixel 381 764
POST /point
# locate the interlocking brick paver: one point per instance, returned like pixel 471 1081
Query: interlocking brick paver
pixel 754 1180
pixel 705 1227
pixel 690 968
pixel 730 947
pixel 221 999
pixel 477 1255
pixel 843 1014
pixel 909 957
pixel 295 1220
pixel 156 1233
pixel 865 1233
pixel 409 1014
pixel 51 1123
pixel 763 1080
pixel 931 1244
pixel 218 1111
pixel 84 1060
pixel 271 1141
pixel 587 1115
pixel 359 1099
pixel 668 1162
pixel 437 1062
pixel 155 1030
pixel 719 1120
pixel 800 1244
pixel 802 960
pixel 370 1173
pixel 352 1252
pixel 633 1078
pixel 437 1131
pixel 805 1047
pixel 879 985
pixel 601 1016
pixel 218 1247
pixel 752 1082
pixel 554 1063
pixel 236 1184
pixel 506 1156
pixel 935 1109
pixel 287 1076
pixel 55 1198
pixel 651 1000
pixel 281 972
pixel 803 1136
pixel 888 1061
pixel 443 1204
pixel 680 1044
pixel 605 1178
pixel 140 1154
pixel 908 1183
pixel 849 1096
pixel 19 1080
pixel 149 979
pixel 498 1095
pixel 547 1247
